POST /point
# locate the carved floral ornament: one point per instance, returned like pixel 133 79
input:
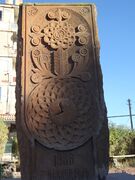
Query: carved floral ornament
pixel 33 11
pixel 59 33
pixel 42 71
pixel 61 111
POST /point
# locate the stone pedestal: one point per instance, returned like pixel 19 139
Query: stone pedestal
pixel 61 115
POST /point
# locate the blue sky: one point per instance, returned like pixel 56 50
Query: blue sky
pixel 116 23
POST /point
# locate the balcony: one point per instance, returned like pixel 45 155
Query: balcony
pixel 8 117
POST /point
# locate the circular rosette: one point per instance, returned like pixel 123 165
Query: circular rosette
pixel 62 114
pixel 59 34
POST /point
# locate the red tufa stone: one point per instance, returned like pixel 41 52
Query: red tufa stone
pixel 61 115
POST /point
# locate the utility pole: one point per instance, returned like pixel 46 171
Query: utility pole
pixel 130 114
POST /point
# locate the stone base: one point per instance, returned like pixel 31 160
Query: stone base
pixel 77 164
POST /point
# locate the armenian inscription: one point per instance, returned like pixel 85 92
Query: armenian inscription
pixel 65 174
pixel 60 105
pixel 61 160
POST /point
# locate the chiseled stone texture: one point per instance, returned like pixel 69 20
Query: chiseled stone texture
pixel 61 115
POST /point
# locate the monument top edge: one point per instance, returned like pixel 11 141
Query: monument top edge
pixel 58 4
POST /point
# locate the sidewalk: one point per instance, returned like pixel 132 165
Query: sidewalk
pixel 120 176
pixel 113 176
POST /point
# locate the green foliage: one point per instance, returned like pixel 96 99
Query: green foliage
pixel 3 136
pixel 122 140
pixel 15 150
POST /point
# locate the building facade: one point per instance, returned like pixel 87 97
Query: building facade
pixel 8 50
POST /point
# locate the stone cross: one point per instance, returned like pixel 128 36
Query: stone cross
pixel 61 115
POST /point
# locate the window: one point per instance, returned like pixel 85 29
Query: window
pixel 0 15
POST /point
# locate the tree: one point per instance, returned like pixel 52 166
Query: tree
pixel 122 140
pixel 3 136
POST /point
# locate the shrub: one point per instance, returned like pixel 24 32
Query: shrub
pixel 122 140
pixel 3 136
pixel 15 150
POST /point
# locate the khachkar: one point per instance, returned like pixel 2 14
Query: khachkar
pixel 61 115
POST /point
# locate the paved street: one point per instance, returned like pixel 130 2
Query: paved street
pixel 121 176
pixel 114 176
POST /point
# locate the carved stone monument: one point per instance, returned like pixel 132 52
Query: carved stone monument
pixel 61 115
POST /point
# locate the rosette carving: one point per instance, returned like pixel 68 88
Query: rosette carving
pixel 61 113
pixel 33 11
pixel 59 33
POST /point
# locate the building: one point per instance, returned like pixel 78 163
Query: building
pixel 8 51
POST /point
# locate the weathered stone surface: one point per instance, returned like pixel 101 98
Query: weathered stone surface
pixel 61 115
